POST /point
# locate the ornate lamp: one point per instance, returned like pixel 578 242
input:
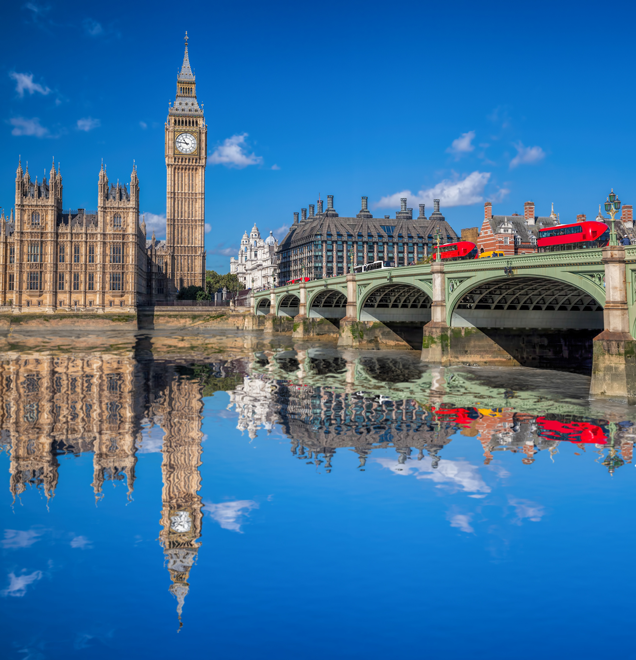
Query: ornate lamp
pixel 612 206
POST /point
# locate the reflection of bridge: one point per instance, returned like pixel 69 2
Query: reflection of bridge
pixel 507 311
pixel 320 420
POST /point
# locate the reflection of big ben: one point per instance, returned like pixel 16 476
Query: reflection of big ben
pixel 186 152
pixel 181 516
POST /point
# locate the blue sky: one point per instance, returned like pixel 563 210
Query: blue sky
pixel 465 101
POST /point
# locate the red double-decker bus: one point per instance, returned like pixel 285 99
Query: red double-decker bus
pixel 580 235
pixel 571 430
pixel 456 251
pixel 299 280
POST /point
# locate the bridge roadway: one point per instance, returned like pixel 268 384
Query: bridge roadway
pixel 560 308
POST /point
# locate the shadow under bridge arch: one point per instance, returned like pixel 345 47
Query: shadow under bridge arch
pixel 289 305
pixel 328 304
pixel 263 307
pixel 539 321
pixel 403 308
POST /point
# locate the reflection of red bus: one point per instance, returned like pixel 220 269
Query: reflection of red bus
pixel 573 237
pixel 299 280
pixel 461 416
pixel 571 431
pixel 457 251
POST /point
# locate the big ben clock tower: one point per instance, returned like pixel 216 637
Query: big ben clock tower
pixel 186 150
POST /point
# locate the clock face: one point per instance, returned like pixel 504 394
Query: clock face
pixel 186 143
pixel 181 522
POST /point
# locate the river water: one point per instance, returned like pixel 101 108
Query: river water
pixel 229 497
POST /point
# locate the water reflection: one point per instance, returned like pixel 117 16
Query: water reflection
pixel 390 410
pixel 414 410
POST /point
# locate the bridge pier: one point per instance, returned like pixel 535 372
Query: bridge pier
pixel 351 333
pixel 614 357
pixel 436 339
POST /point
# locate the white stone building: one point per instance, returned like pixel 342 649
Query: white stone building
pixel 256 265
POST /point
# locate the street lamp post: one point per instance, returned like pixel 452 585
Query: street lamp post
pixel 612 206
pixel 438 237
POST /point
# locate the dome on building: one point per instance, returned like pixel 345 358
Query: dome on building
pixel 255 233
pixel 270 240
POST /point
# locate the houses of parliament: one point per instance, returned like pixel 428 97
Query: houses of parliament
pixel 54 259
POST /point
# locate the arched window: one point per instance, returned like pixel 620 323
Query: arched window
pixel 117 221
pixel 35 219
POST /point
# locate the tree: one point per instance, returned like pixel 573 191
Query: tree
pixel 192 292
pixel 214 282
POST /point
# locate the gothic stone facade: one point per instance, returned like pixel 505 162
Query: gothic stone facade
pixel 77 260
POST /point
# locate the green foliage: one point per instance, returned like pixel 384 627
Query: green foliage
pixel 214 282
pixel 192 292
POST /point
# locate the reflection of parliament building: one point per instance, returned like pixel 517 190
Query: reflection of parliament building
pixel 56 406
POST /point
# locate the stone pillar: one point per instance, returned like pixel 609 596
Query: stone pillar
pixel 614 357
pixel 436 340
pixel 270 319
pixel 302 307
pixel 350 328
pixel 300 327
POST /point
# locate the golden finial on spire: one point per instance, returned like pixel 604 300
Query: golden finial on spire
pixel 186 39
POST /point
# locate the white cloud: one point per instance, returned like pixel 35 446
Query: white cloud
pixel 88 124
pixel 462 145
pixel 526 509
pixel 229 514
pixel 155 222
pixel 18 583
pixel 281 231
pixel 143 125
pixel 24 83
pixel 151 439
pixel 93 28
pixel 81 542
pixel 208 228
pixel 14 538
pixel 526 155
pixel 275 167
pixel 462 522
pixel 457 475
pixel 24 126
pixel 450 192
pixel 224 251
pixel 233 153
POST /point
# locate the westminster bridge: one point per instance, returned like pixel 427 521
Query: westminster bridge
pixel 572 310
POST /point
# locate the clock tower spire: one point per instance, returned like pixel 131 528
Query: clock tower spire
pixel 185 151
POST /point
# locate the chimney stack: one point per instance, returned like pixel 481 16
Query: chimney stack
pixel 402 204
pixel 364 211
pixel 329 202
pixel 410 212
pixel 320 203
pixel 311 210
pixel 296 217
pixel 488 211
pixel 303 215
pixel 422 212
pixel 528 213
pixel 628 216
pixel 387 217
pixel 436 205
pixel 581 217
